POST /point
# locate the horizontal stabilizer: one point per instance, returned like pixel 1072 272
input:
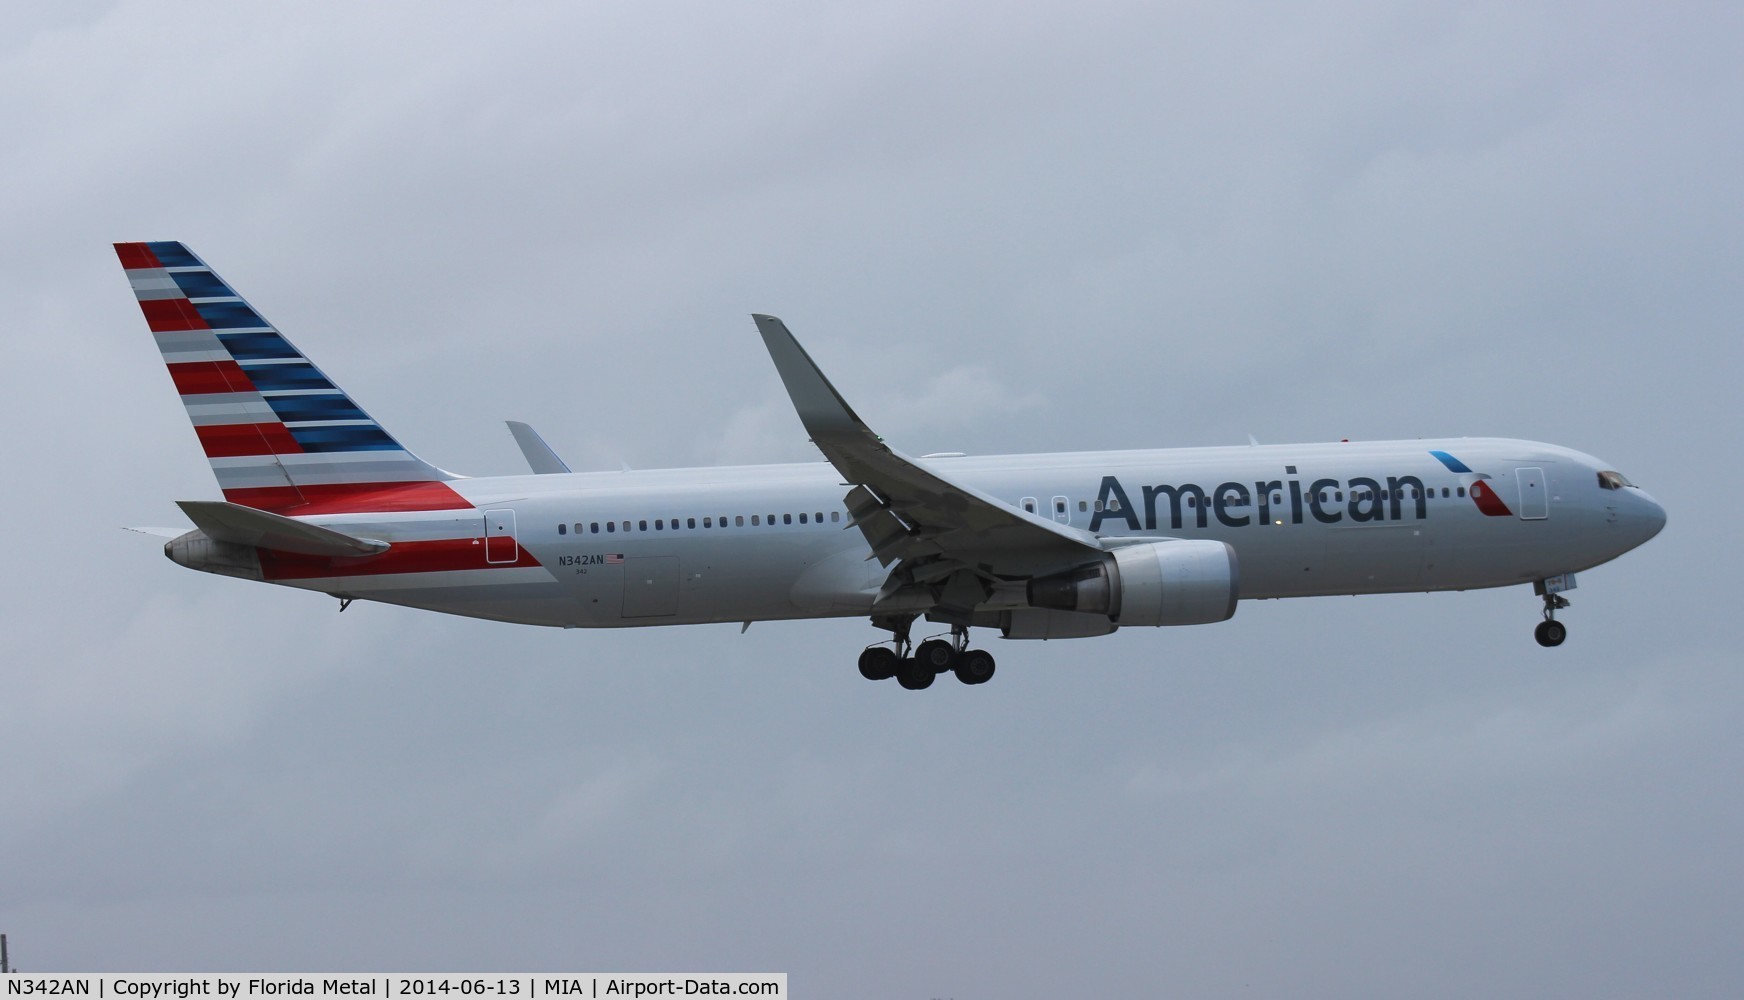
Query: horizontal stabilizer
pixel 229 522
pixel 540 458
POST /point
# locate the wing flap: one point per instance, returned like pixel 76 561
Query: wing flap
pixel 229 522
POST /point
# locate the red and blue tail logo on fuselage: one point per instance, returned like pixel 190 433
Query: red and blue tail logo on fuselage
pixel 1481 492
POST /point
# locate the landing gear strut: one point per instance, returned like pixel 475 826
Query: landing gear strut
pixel 915 667
pixel 1551 632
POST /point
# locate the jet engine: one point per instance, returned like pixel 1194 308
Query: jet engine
pixel 1152 583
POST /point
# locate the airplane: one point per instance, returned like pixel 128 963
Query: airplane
pixel 319 496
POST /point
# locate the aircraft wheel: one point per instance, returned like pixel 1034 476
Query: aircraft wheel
pixel 878 663
pixel 975 666
pixel 1550 633
pixel 915 676
pixel 935 654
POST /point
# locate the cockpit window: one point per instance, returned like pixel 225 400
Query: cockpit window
pixel 1613 481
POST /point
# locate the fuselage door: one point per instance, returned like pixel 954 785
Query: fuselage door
pixel 650 586
pixel 499 536
pixel 1534 502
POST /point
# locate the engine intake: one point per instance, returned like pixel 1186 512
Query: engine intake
pixel 1156 583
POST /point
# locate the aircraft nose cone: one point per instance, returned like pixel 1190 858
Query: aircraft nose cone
pixel 1646 516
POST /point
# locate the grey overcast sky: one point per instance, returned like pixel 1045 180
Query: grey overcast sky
pixel 1000 228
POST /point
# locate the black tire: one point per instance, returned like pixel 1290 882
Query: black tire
pixel 935 654
pixel 878 663
pixel 914 676
pixel 1550 633
pixel 974 667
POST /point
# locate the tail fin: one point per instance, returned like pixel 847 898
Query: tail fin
pixel 279 434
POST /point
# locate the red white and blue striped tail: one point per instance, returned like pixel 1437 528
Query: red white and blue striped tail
pixel 279 434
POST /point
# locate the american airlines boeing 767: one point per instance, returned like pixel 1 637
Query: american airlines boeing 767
pixel 319 496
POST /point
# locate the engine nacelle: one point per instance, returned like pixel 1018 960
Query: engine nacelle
pixel 1043 623
pixel 1155 583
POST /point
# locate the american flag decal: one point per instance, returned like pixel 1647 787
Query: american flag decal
pixel 614 558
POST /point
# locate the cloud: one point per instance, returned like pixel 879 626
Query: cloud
pixel 998 231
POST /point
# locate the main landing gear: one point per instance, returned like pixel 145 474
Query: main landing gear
pixel 1551 632
pixel 916 667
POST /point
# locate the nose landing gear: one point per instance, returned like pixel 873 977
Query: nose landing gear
pixel 1551 632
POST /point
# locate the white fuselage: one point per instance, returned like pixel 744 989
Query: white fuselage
pixel 749 543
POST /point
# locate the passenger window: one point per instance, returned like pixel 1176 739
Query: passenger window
pixel 611 526
pixel 690 522
pixel 1459 492
pixel 641 525
pixel 802 517
pixel 1082 506
pixel 659 525
pixel 563 529
pixel 787 519
pixel 757 519
pixel 819 515
pixel 739 521
pixel 1029 505
pixel 1060 506
pixel 1099 505
pixel 708 522
pixel 772 520
pixel 593 528
pixel 835 515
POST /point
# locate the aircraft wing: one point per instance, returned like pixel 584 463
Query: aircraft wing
pixel 907 509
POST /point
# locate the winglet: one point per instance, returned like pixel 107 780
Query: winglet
pixel 822 409
pixel 540 458
pixel 229 522
pixel 925 511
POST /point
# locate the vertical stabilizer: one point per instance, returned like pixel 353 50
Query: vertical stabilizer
pixel 280 435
